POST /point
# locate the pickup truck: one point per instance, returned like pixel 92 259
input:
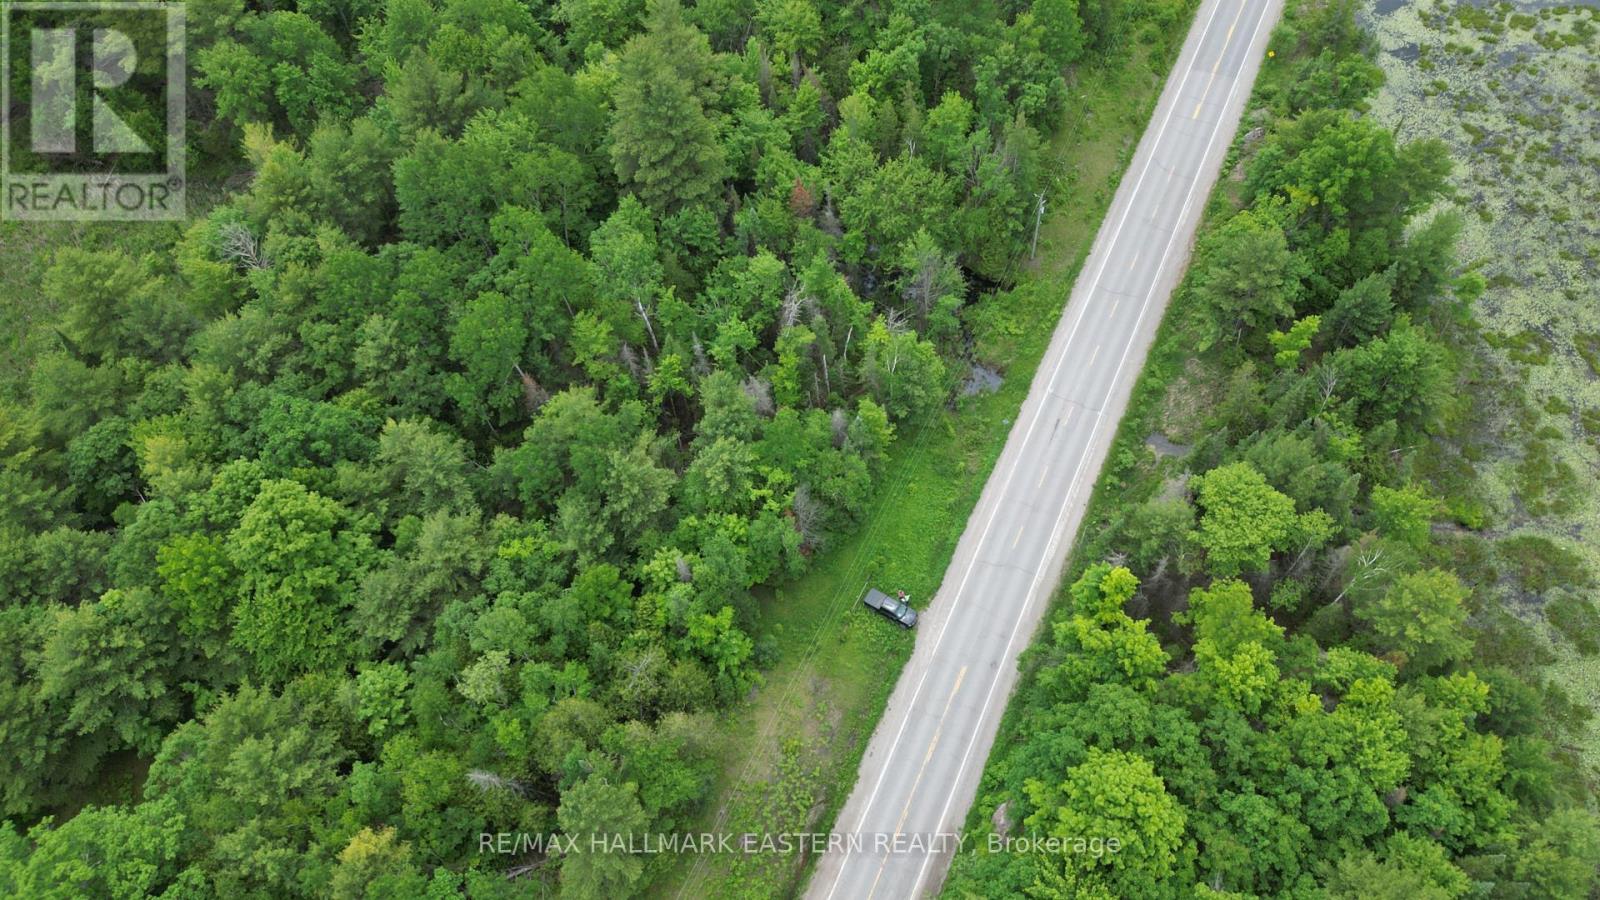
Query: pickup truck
pixel 894 609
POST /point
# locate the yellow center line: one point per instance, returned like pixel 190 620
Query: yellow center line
pixel 1135 261
pixel 1218 64
pixel 874 888
pixel 1096 348
pixel 1017 538
pixel 925 757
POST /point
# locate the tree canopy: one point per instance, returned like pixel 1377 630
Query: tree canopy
pixel 428 480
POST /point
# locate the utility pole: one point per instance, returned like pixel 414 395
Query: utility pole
pixel 1038 216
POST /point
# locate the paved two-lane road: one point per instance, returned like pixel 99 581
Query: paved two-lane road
pixel 921 768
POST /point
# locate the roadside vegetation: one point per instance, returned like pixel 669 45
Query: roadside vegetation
pixel 461 464
pixel 1284 666
pixel 789 757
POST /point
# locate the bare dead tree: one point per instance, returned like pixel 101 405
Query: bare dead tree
pixel 896 321
pixel 759 390
pixel 1038 218
pixel 923 284
pixel 1369 565
pixel 240 247
pixel 1328 382
pixel 830 219
pixel 764 74
pixel 793 302
pixel 630 360
pixel 1307 547
pixel 638 668
pixel 638 305
pixel 486 781
pixel 807 514
pixel 841 427
pixel 702 366
pixel 533 393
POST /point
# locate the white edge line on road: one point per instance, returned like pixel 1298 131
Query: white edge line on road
pixel 1017 458
pixel 1055 534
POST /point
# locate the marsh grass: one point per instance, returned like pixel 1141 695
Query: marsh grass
pixel 1511 88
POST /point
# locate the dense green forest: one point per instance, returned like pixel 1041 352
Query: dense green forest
pixel 416 487
pixel 1278 671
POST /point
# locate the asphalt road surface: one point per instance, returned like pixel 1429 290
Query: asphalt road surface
pixel 896 834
